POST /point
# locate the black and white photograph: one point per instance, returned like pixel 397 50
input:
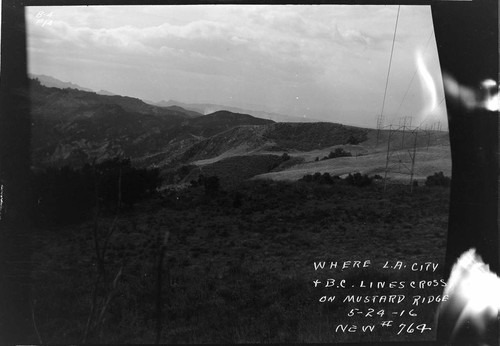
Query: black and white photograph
pixel 216 172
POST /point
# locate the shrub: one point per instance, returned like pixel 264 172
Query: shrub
pixel 136 183
pixel 211 184
pixel 285 157
pixel 173 176
pixel 68 195
pixel 338 152
pixel 237 199
pixel 437 179
pixel 317 177
pixel 307 178
pixel 353 140
pixel 326 178
pixel 62 196
pixel 357 179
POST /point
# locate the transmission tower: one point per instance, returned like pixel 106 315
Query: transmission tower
pixel 399 159
pixel 429 134
pixel 404 123
pixel 380 126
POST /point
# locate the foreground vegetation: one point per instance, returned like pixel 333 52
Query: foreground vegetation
pixel 236 265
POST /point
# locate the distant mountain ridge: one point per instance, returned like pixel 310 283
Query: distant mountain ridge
pixel 207 108
pixel 52 82
pixel 194 109
pixel 71 126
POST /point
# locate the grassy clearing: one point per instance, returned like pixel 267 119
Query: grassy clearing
pixel 239 263
pixel 435 159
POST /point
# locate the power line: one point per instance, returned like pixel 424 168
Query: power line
pixel 390 63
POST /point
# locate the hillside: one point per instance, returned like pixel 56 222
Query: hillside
pixel 73 127
pixel 427 162
pixel 239 264
pixel 432 155
pixel 309 136
pixel 235 169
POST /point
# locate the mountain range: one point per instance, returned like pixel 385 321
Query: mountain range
pixel 206 108
pixel 72 126
pixel 52 82
pixel 197 108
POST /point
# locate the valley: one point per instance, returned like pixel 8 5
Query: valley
pixel 210 218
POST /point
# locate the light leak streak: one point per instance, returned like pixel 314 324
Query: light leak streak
pixel 491 101
pixel 485 97
pixel 474 295
pixel 428 83
pixel 429 91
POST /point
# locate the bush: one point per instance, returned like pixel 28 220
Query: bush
pixel 135 183
pixel 324 178
pixel 237 199
pixel 353 140
pixel 211 184
pixel 437 179
pixel 173 176
pixel 62 196
pixel 339 152
pixel 67 195
pixel 307 178
pixel 357 179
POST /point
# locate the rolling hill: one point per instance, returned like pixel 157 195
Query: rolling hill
pixel 72 126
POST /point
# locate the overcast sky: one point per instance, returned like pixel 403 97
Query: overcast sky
pixel 322 62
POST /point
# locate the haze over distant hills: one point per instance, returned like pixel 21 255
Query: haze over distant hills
pixel 206 108
pixel 52 82
pixel 196 108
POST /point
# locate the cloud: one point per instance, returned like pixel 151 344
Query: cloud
pixel 332 51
